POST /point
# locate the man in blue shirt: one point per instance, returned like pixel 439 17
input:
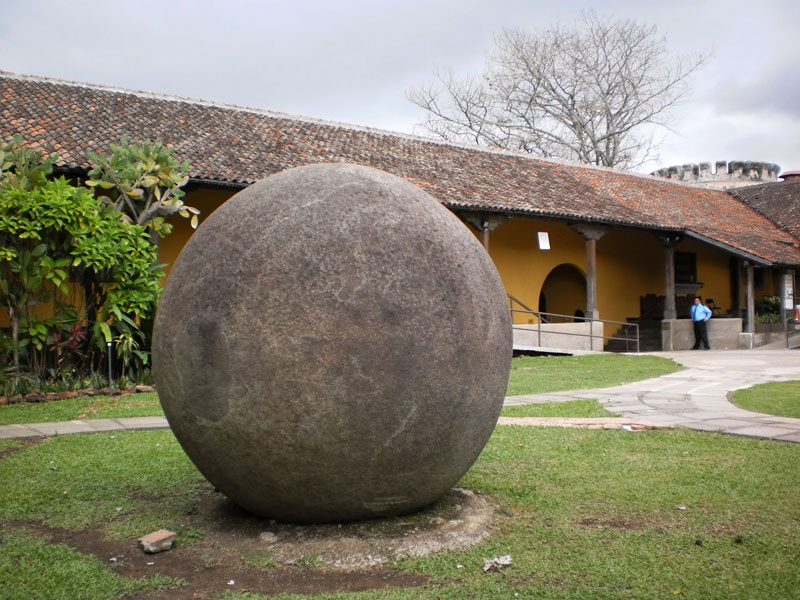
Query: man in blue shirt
pixel 700 315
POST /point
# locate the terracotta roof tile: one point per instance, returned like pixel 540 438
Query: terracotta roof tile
pixel 779 202
pixel 235 145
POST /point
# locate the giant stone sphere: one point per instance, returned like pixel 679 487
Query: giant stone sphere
pixel 332 344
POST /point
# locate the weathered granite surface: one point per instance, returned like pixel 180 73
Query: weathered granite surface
pixel 332 344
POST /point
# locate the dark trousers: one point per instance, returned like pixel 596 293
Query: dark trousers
pixel 701 334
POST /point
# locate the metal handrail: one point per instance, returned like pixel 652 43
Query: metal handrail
pixel 545 317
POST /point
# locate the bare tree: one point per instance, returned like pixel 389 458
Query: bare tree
pixel 586 93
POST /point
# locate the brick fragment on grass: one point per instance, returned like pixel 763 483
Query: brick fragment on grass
pixel 158 541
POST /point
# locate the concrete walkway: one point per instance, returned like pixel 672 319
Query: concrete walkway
pixel 696 397
pixel 40 430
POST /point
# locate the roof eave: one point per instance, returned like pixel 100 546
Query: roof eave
pixel 761 262
pixel 237 185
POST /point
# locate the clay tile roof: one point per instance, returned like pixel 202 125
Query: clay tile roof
pixel 234 145
pixel 779 202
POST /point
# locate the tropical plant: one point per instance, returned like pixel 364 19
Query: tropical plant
pixel 143 183
pixel 768 319
pixel 768 310
pixel 56 238
pixel 23 167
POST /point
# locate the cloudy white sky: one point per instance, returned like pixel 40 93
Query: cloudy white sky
pixel 353 60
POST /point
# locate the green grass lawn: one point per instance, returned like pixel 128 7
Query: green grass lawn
pixel 542 374
pixel 570 408
pixel 83 407
pixel 7 445
pixel 583 514
pixel 32 568
pixel 782 398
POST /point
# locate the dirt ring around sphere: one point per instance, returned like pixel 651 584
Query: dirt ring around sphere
pixel 458 521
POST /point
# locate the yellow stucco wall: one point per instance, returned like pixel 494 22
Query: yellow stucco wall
pixel 713 270
pixel 564 293
pixel 769 284
pixel 630 263
pixel 523 268
pixel 206 200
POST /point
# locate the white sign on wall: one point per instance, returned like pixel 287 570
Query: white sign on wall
pixel 544 240
pixel 788 291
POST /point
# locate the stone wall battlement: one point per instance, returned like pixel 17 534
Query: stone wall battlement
pixel 735 173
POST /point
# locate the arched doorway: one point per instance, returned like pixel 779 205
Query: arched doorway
pixel 564 292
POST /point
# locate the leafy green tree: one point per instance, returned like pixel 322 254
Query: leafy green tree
pixel 143 183
pixel 24 265
pixel 23 167
pixel 53 233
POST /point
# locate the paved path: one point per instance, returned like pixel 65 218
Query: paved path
pixel 696 397
pixel 39 430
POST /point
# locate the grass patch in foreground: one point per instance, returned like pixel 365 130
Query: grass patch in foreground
pixel 32 568
pixel 570 408
pixel 80 482
pixel 9 444
pixel 781 398
pixel 583 513
pixel 82 407
pixel 542 374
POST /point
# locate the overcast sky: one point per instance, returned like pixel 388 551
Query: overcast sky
pixel 353 60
